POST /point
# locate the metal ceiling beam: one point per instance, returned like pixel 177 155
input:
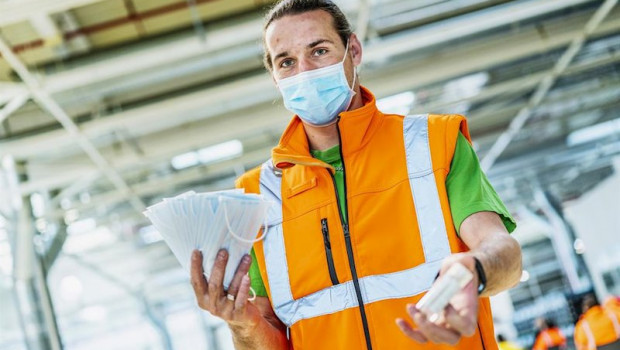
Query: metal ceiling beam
pixel 156 186
pixel 17 11
pixel 168 57
pixel 9 91
pixel 225 98
pixel 472 24
pixel 16 103
pixel 545 85
pixel 518 85
pixel 162 56
pixel 49 105
pixel 162 146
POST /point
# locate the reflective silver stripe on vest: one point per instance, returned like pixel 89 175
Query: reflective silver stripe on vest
pixel 424 189
pixel 401 284
pixel 273 244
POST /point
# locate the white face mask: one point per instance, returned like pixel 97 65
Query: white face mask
pixel 318 96
pixel 209 222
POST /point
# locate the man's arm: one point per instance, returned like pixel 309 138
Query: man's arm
pixel 500 255
pixel 254 326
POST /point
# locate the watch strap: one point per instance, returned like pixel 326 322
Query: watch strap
pixel 482 277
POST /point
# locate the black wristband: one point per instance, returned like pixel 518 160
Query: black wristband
pixel 482 277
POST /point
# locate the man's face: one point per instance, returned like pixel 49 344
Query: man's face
pixel 305 42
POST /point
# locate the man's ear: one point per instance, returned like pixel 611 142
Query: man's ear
pixel 355 47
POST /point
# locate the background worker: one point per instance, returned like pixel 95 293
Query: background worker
pixel 612 303
pixel 598 327
pixel 505 344
pixel 349 250
pixel 549 336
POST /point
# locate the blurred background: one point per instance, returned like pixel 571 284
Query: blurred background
pixel 107 106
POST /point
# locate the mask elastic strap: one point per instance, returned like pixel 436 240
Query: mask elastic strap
pixel 236 236
pixel 346 51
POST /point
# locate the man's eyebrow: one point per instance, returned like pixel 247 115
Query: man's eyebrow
pixel 281 54
pixel 309 46
pixel 318 42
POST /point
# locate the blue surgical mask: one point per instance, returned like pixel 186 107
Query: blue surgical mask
pixel 319 95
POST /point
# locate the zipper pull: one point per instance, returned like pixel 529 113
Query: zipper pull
pixel 325 231
pixel 345 227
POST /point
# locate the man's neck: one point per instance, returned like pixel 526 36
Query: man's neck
pixel 321 138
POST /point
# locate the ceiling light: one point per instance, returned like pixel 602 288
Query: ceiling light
pixel 594 132
pixel 219 152
pixel 71 288
pixel 579 246
pixel 185 160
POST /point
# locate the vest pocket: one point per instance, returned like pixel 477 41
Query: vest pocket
pixel 328 252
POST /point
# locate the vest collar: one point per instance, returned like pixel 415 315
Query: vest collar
pixel 356 128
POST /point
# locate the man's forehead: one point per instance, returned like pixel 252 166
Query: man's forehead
pixel 300 29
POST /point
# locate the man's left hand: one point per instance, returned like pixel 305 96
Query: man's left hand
pixel 460 317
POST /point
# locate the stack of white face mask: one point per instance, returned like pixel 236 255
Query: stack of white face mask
pixel 208 222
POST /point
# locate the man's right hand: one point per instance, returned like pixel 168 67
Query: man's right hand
pixel 242 316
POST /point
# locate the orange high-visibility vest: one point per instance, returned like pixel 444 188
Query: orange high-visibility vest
pixel 612 303
pixel 597 327
pixel 341 286
pixel 549 338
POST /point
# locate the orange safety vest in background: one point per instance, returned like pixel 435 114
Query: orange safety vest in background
pixel 549 338
pixel 340 285
pixel 597 327
pixel 612 303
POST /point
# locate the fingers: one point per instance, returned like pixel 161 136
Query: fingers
pixel 199 283
pixel 410 332
pixel 463 322
pixel 242 270
pixel 216 290
pixel 241 298
pixel 433 332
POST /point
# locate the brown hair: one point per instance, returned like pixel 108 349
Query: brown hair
pixel 295 7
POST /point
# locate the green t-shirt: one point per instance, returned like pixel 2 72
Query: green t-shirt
pixel 469 192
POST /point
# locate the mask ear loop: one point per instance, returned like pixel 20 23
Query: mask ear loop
pixel 230 231
pixel 236 236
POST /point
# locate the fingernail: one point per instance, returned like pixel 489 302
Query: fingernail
pixel 411 308
pixel 222 253
pixel 247 259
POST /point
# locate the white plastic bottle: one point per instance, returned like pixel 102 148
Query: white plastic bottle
pixel 438 297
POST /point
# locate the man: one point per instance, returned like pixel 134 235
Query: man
pixel 369 207
pixel 598 327
pixel 612 303
pixel 549 336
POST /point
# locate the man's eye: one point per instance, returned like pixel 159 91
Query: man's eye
pixel 320 52
pixel 286 63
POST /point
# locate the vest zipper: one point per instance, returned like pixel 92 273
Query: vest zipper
pixel 481 338
pixel 347 239
pixel 328 252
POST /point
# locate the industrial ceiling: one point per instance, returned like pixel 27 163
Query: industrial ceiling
pixel 111 93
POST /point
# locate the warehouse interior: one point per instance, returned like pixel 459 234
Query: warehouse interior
pixel 108 106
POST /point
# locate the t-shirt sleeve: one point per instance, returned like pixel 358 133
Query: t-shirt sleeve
pixel 469 189
pixel 256 281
